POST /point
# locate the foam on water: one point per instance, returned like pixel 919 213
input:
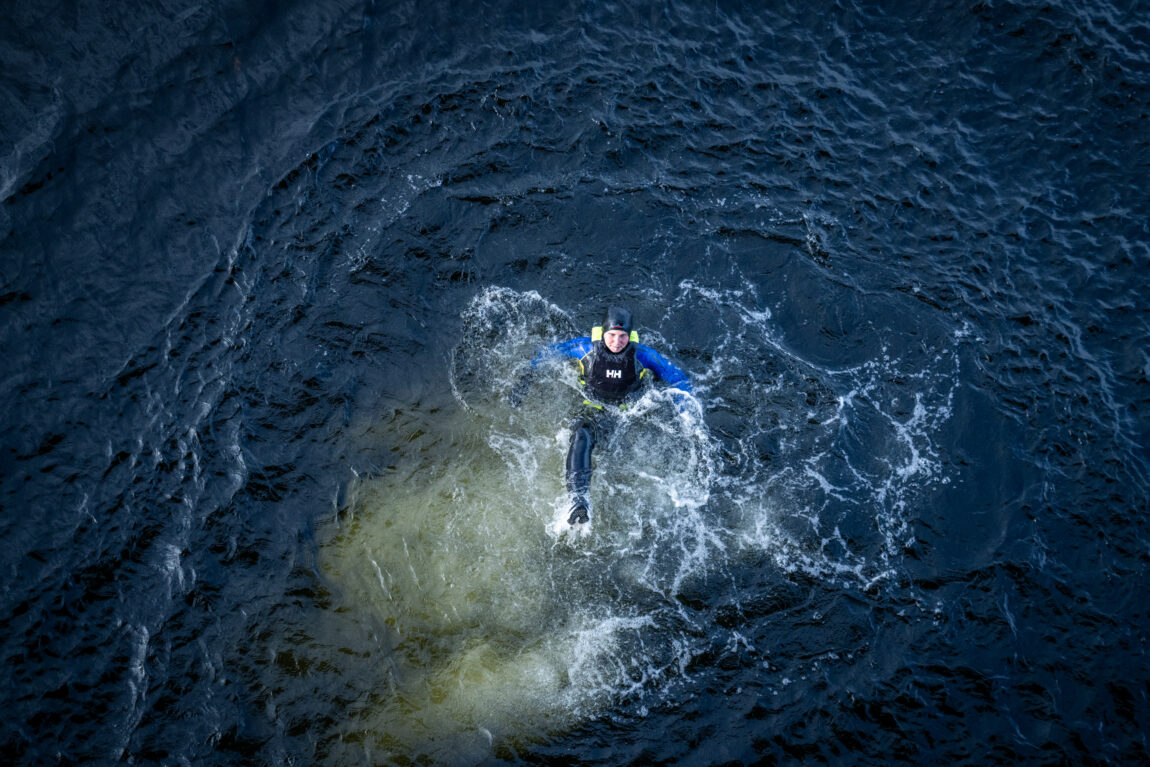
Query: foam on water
pixel 822 466
pixel 502 621
pixel 499 619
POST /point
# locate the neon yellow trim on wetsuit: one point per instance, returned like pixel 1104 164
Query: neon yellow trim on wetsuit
pixel 597 406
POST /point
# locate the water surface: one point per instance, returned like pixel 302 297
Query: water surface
pixel 268 274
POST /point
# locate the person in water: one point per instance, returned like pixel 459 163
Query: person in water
pixel 613 367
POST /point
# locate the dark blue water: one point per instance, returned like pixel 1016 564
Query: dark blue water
pixel 268 271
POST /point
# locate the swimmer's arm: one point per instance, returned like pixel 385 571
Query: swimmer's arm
pixel 671 375
pixel 575 348
pixel 663 368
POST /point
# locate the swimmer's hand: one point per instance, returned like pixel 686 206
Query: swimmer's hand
pixel 686 404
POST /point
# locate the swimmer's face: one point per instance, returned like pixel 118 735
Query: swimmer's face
pixel 615 340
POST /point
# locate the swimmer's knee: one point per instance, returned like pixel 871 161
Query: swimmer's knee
pixel 581 432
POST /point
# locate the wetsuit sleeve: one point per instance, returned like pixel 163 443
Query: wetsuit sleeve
pixel 675 378
pixel 575 348
pixel 666 372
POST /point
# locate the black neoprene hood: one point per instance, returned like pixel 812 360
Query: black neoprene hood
pixel 618 318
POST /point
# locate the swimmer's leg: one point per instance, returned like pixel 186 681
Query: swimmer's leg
pixel 579 468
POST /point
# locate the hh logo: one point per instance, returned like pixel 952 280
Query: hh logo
pixel 614 373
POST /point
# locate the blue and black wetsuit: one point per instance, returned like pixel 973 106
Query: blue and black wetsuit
pixel 610 379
